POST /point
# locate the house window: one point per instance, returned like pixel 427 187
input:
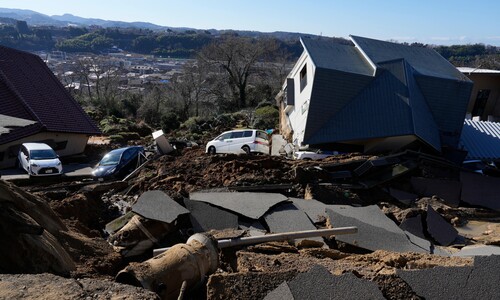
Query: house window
pixel 61 145
pixel 305 107
pixel 290 92
pixel 303 77
pixel 480 104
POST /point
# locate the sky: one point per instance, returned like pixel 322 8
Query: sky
pixel 440 22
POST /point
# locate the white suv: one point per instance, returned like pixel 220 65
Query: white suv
pixel 239 141
pixel 38 159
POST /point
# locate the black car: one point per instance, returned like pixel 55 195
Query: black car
pixel 118 163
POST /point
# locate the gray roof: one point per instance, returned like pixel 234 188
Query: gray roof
pixel 415 92
pixel 331 55
pixel 7 123
pixel 481 140
pixel 425 60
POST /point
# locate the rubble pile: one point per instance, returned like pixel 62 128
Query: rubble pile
pixel 408 209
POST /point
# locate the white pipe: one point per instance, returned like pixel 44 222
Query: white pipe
pixel 285 236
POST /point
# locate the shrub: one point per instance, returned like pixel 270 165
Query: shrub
pixel 266 117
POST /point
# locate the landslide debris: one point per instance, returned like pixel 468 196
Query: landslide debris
pixel 60 230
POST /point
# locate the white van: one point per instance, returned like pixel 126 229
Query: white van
pixel 240 141
pixel 38 159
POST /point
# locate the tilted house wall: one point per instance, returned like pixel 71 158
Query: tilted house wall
pixel 374 96
pixel 29 90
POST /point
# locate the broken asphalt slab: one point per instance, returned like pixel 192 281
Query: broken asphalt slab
pixel 282 292
pixel 314 209
pixel 205 217
pixel 288 218
pixel 251 205
pixel 440 230
pixel 479 281
pixel 156 205
pixel 319 283
pixel 375 230
pixel 413 225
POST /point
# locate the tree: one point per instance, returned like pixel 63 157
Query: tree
pixel 189 89
pixel 101 80
pixel 154 105
pixel 236 58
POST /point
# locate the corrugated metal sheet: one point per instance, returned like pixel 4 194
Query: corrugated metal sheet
pixel 481 139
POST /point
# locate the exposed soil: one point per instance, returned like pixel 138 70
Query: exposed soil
pixel 72 217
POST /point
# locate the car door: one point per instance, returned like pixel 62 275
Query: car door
pixel 222 143
pixel 235 142
pixel 24 158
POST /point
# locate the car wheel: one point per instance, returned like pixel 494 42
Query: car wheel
pixel 211 150
pixel 246 149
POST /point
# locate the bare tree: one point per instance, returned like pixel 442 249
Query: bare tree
pixel 101 78
pixel 190 89
pixel 236 58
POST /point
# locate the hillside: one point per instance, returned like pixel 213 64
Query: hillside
pixel 32 31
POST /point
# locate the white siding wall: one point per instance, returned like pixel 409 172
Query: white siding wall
pixel 298 115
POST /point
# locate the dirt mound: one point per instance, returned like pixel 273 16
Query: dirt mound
pixel 195 170
pixel 48 286
pixel 39 241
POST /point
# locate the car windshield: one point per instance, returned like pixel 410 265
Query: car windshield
pixel 110 159
pixel 43 154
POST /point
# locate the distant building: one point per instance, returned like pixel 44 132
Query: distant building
pixel 30 91
pixel 484 102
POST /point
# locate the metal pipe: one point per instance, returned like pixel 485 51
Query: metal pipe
pixel 285 236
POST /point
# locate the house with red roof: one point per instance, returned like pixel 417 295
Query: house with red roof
pixel 30 91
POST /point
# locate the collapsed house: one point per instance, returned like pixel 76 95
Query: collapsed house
pixel 30 91
pixel 373 96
